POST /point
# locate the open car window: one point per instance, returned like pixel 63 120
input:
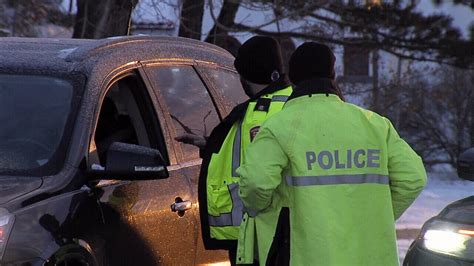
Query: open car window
pixel 126 116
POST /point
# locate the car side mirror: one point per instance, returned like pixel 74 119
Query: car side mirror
pixel 466 165
pixel 131 162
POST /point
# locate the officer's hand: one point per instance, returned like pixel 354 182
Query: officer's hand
pixel 198 141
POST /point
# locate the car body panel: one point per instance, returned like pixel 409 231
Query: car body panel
pixel 28 229
pixel 461 211
pixel 418 256
pixel 12 187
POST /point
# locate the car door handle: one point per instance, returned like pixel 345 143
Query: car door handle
pixel 180 206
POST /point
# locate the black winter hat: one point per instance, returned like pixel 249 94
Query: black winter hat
pixel 311 60
pixel 258 58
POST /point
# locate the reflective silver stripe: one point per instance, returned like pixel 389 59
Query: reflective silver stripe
pixel 235 217
pixel 337 180
pixel 236 150
pixel 224 219
pixel 237 204
pixel 280 98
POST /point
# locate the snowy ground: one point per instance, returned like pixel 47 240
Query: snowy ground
pixel 442 189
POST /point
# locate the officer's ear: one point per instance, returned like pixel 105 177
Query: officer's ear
pixel 275 75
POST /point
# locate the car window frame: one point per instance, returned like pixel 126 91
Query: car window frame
pixel 106 84
pixel 215 96
pixel 201 68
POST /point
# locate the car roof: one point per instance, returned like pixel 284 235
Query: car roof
pixel 85 54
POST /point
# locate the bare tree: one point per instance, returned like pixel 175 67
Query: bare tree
pixel 395 27
pixel 21 18
pixel 225 20
pixel 435 114
pixel 219 33
pixel 190 25
pixel 467 3
pixel 105 18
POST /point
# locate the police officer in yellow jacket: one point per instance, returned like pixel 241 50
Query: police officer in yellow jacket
pixel 259 63
pixel 342 173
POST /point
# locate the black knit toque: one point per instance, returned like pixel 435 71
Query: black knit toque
pixel 311 60
pixel 258 58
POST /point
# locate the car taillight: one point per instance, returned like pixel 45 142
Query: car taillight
pixel 6 224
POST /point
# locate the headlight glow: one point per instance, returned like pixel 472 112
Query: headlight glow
pixel 6 223
pixel 449 238
pixel 445 241
pixel 466 232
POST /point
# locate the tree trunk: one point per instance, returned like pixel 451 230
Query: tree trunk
pixel 471 131
pixel 101 19
pixel 471 106
pixel 119 18
pixel 398 94
pixel 190 25
pixel 375 82
pixel 217 35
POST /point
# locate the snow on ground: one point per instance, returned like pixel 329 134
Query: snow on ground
pixel 442 189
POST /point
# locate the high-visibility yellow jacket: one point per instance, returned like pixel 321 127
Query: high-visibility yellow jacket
pixel 224 211
pixel 343 172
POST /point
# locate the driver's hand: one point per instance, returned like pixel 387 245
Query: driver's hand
pixel 195 140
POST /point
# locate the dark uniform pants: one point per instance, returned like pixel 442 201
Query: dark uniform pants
pixel 279 254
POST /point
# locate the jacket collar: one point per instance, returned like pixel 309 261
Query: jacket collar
pixel 315 86
pixel 239 111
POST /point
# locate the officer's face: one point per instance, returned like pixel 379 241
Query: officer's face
pixel 251 88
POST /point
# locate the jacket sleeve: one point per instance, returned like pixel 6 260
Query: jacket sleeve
pixel 406 171
pixel 261 172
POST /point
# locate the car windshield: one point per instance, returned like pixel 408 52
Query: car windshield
pixel 34 111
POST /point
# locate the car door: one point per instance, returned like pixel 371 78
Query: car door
pixel 190 109
pixel 142 228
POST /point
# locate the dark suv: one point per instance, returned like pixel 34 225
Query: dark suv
pixel 90 173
